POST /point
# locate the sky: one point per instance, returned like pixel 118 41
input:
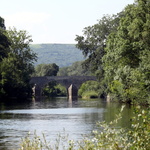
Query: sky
pixel 57 21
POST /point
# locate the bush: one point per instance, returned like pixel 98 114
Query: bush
pixel 53 89
pixel 89 94
pixel 89 89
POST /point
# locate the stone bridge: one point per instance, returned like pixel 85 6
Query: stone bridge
pixel 72 83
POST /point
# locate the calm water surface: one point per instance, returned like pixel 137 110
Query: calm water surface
pixel 52 117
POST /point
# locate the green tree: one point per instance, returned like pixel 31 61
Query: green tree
pixel 93 44
pixel 76 69
pixel 63 71
pixel 126 62
pixel 2 23
pixel 93 41
pixel 46 70
pixel 17 67
pixel 4 43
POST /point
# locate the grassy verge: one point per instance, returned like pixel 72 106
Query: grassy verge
pixel 89 94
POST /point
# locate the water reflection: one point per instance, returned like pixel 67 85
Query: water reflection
pixel 51 116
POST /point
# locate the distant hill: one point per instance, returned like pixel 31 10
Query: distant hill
pixel 61 54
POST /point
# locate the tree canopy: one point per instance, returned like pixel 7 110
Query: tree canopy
pixel 119 46
pixel 17 64
pixel 93 41
pixel 4 43
pixel 76 69
pixel 126 62
pixel 46 70
pixel 2 23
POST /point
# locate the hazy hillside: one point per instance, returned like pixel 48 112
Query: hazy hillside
pixel 61 54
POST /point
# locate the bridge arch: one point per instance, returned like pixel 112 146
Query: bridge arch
pixel 53 88
pixel 72 83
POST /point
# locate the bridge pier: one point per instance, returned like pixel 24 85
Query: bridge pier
pixel 37 90
pixel 72 92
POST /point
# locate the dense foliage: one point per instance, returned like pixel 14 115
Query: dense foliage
pixel 126 62
pixel 46 70
pixel 2 24
pixel 118 51
pixel 16 63
pixel 93 41
pixel 93 44
pixel 53 89
pixel 4 43
pixel 76 69
pixel 90 89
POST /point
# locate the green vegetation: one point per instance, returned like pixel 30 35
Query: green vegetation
pixel 118 51
pixel 16 63
pixel 93 44
pixel 89 94
pixel 76 69
pixel 53 89
pixel 46 70
pixel 89 89
pixel 4 43
pixel 126 62
pixel 107 136
pixel 61 54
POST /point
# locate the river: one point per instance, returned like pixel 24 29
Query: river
pixel 55 116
